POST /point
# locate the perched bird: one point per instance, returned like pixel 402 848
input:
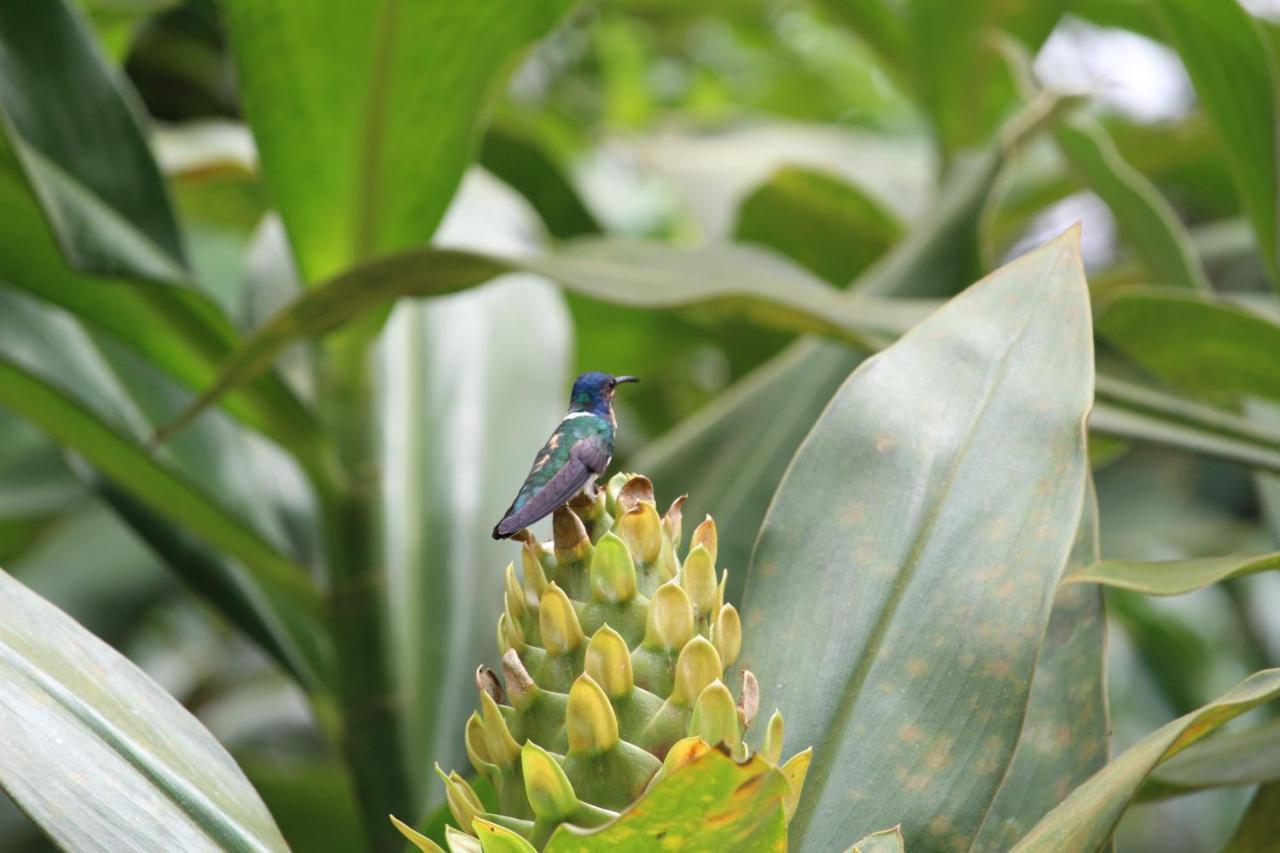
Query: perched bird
pixel 576 454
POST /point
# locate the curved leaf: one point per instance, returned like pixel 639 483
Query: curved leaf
pixel 90 166
pixel 830 227
pixel 711 803
pixel 518 160
pixel 100 756
pixel 882 532
pixel 1231 66
pixel 1204 345
pixel 1086 818
pixel 732 280
pixel 291 612
pixel 1244 757
pixel 1170 577
pixel 366 113
pixel 1260 825
pixel 1147 221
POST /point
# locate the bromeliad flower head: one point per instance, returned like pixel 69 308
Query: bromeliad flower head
pixel 615 655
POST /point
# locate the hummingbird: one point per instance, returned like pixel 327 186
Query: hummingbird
pixel 576 454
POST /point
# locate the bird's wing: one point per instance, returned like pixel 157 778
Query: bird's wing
pixel 588 458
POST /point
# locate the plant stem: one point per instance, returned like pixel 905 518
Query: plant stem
pixel 372 733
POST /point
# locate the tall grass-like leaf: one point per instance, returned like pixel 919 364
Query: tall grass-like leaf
pixel 106 203
pixel 1145 218
pixel 1086 818
pixel 1260 825
pixel 366 114
pixel 291 610
pixel 1231 65
pixel 1171 577
pixel 924 524
pixel 100 756
pixel 1228 759
pixel 1205 345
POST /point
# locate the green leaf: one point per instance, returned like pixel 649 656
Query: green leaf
pixel 829 227
pixel 1120 423
pixel 499 839
pixel 1210 347
pixel 1170 577
pixel 728 280
pixel 730 456
pixel 185 335
pixel 268 584
pixel 1086 818
pixel 911 712
pixel 1146 220
pixel 100 756
pixel 884 841
pixel 366 113
pixel 1243 757
pixel 1064 735
pixel 450 364
pixel 90 166
pixel 1260 825
pixel 711 803
pixel 963 84
pixel 521 163
pixel 1233 71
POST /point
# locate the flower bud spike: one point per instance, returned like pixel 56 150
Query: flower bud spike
pixel 535 579
pixel 613 574
pixel 724 584
pixel 635 491
pixel 558 622
pixel 594 512
pixel 464 804
pixel 698 577
pixel 771 749
pixel 715 717
pixel 500 745
pixel 727 635
pixel 609 663
pixel 749 702
pixel 670 621
pixel 520 684
pixel 590 721
pixel 673 522
pixel 514 594
pixel 705 535
pixel 572 544
pixel 795 770
pixel 487 682
pixel 697 666
pixel 550 794
pixel 417 839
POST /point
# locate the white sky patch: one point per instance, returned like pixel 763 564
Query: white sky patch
pixel 1125 72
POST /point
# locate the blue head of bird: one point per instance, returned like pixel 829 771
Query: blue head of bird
pixel 593 392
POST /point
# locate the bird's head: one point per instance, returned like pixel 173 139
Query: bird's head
pixel 593 391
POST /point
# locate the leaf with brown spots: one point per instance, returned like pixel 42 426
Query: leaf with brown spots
pixel 964 442
pixel 709 803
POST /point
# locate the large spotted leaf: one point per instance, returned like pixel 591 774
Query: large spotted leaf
pixel 903 579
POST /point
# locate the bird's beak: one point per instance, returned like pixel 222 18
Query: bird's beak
pixel 618 380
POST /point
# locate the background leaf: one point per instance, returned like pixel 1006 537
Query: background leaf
pixel 906 716
pixel 100 756
pixel 1170 577
pixel 362 146
pixel 1086 818
pixel 1230 64
pixel 1241 757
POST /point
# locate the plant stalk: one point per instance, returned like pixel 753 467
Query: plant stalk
pixel 372 733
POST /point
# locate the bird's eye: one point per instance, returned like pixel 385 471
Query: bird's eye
pixel 613 383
